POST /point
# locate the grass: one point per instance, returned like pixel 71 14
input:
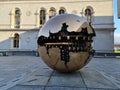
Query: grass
pixel 117 51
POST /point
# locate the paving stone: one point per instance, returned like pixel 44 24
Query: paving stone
pixel 25 87
pixel 35 80
pixel 66 81
pixel 65 88
pixel 94 79
pixel 43 72
pixel 99 74
pixel 73 74
pixel 84 79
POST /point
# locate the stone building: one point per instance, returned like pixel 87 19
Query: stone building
pixel 20 21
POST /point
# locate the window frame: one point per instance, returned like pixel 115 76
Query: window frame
pixel 17 18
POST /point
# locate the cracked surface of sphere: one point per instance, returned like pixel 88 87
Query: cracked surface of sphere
pixel 64 42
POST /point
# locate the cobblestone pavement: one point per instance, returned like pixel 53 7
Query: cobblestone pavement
pixel 13 69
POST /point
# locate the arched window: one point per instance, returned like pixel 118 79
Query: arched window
pixel 89 14
pixel 17 18
pixel 52 12
pixel 62 11
pixel 42 17
pixel 16 40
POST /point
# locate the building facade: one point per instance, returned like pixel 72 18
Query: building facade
pixel 21 21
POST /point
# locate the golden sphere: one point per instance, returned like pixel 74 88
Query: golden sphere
pixel 64 42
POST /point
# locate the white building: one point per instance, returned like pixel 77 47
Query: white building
pixel 20 21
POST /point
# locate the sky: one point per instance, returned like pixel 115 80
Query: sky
pixel 117 23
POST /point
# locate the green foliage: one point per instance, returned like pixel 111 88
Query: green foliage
pixel 117 51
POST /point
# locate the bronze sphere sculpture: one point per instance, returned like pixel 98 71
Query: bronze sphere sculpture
pixel 65 42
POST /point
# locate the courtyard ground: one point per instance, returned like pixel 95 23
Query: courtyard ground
pixel 30 73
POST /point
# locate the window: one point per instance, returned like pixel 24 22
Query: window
pixel 52 12
pixel 17 18
pixel 42 17
pixel 89 14
pixel 62 11
pixel 16 40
